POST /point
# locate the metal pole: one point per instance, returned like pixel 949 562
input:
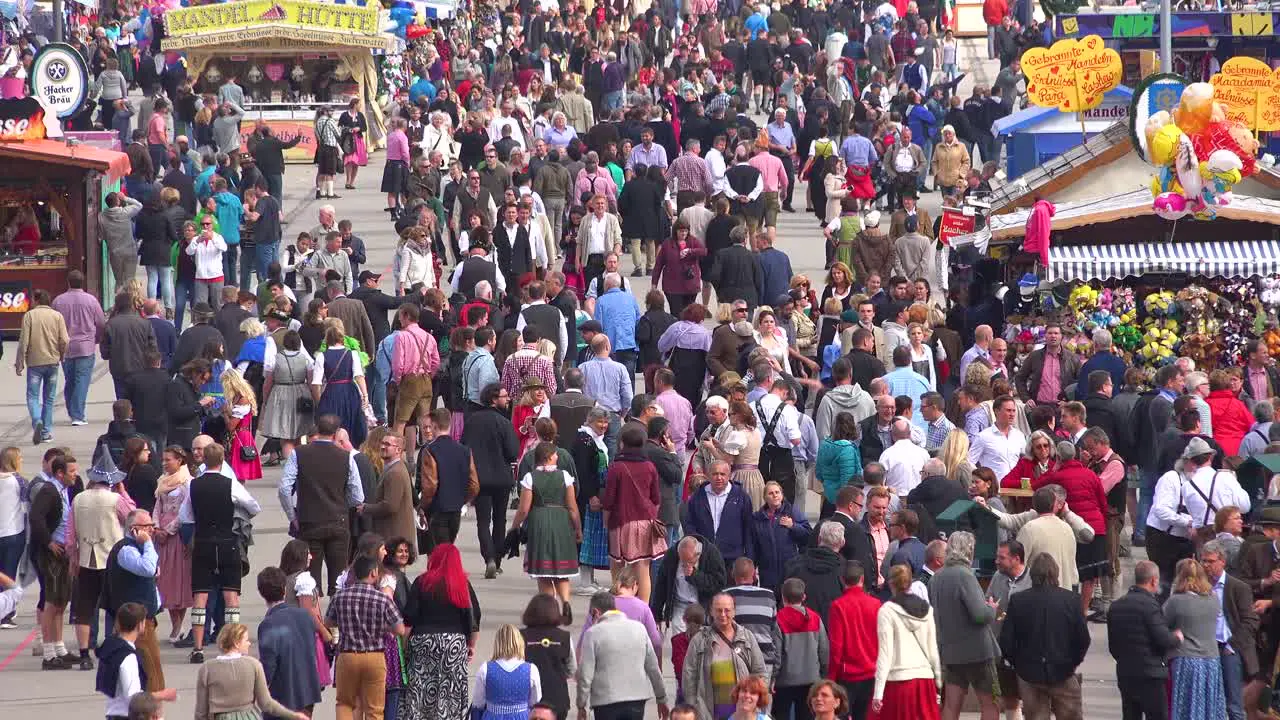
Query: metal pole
pixel 1166 36
pixel 59 22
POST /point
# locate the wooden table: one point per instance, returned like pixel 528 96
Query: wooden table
pixel 1016 500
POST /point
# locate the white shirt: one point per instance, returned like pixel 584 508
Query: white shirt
pixel 1191 491
pixel 536 244
pixel 903 462
pixel 597 240
pixel 12 510
pixel 317 367
pixel 9 600
pixel 508 664
pixel 128 682
pixel 718 167
pixel 495 130
pixel 787 433
pixel 240 497
pixel 716 504
pixel 993 449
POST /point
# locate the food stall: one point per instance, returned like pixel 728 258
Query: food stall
pixel 50 196
pixel 290 57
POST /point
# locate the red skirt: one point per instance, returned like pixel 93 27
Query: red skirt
pixel 860 186
pixel 908 700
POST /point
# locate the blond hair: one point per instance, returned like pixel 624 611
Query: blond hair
pixel 1191 578
pixel 954 451
pixel 372 447
pixel 231 635
pixel 11 460
pixel 508 644
pixel 238 391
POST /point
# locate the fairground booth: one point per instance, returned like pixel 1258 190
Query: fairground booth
pixel 290 56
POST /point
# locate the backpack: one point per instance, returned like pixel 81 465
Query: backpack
pixel 454 392
pixel 776 464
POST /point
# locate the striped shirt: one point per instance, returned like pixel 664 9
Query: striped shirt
pixel 756 610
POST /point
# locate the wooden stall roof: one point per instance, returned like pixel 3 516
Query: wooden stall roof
pixel 114 165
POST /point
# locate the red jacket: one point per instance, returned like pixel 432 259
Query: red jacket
pixel 1084 492
pixel 851 629
pixel 1025 468
pixel 993 11
pixel 1231 420
pixel 631 489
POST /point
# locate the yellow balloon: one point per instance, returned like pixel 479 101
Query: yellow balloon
pixel 1163 144
pixel 1156 121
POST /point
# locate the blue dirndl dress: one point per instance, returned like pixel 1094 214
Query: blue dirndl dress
pixel 341 397
pixel 506 694
pixel 1196 689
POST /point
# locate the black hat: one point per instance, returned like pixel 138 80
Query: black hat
pixel 202 309
pixel 366 275
pixel 591 326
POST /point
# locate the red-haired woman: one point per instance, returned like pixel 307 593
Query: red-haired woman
pixel 444 618
pixel 750 698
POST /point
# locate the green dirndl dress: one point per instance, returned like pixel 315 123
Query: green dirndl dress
pixel 552 551
pixel 595 539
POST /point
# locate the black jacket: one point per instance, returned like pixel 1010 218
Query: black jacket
pixel 1138 635
pixel 185 413
pixel 821 569
pixel 155 238
pixel 935 494
pixel 709 578
pixel 870 443
pixel 1171 443
pixel 191 342
pixel 651 327
pixel 640 205
pixel 186 191
pixel 147 390
pixel 268 151
pixel 494 446
pixel 228 319
pixel 736 275
pixel 1044 636
pixel 866 367
pixel 377 304
pixel 1098 413
pixel 857 546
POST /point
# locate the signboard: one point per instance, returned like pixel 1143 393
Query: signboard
pixel 60 78
pixel 1145 25
pixel 22 119
pixel 1073 75
pixel 954 223
pixel 15 296
pixel 249 13
pixel 286 130
pixel 1249 91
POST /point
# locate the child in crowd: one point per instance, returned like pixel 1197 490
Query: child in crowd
pixel 694 618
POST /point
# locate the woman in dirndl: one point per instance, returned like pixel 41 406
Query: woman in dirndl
pixel 399 556
pixel 395 174
pixel 354 125
pixel 301 591
pixel 239 414
pixel 337 385
pixel 553 527
pixel 1195 668
pixel 741 449
pixel 174 577
pixel 443 617
pixel 286 416
pixel 591 458
pixel 632 498
pixel 328 153
pixel 907 623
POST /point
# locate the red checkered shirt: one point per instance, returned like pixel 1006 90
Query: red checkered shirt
pixel 363 615
pixel 523 362
pixel 692 174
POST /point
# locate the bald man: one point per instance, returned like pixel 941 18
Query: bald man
pixel 981 348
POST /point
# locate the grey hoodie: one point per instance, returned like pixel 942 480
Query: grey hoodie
pixel 842 398
pixel 116 226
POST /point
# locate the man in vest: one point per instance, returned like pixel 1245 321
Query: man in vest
pixel 123 674
pixel 546 319
pixel 512 242
pixel 479 266
pixel 537 240
pixel 131 578
pixel 329 486
pixel 473 198
pixel 48 518
pixel 211 507
pixel 745 185
pixel 447 472
pixel 95 526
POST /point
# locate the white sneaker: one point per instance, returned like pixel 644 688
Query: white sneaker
pixel 587 590
pixel 78 423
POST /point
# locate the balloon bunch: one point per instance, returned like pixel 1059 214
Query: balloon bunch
pixel 1199 154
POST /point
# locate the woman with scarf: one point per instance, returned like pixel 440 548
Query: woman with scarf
pixel 415 263
pixel 174 575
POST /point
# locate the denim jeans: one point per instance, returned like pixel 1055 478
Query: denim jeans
pixel 160 284
pixel 628 358
pixel 229 263
pixel 613 100
pixel 1233 684
pixel 77 374
pixel 183 295
pixel 611 434
pixel 42 388
pixel 266 254
pixel 377 392
pixel 275 187
pixel 248 266
pixel 1146 496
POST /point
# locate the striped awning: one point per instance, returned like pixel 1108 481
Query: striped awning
pixel 1114 262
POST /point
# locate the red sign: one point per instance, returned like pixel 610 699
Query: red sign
pixel 21 119
pixel 954 222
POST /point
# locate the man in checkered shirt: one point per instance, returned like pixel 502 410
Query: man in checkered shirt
pixel 362 614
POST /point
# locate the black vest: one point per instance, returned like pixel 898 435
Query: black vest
pixel 479 203
pixel 213 508
pixel 515 255
pixel 743 179
pixel 323 470
pixel 474 269
pixel 122 586
pixel 548 321
pixel 453 472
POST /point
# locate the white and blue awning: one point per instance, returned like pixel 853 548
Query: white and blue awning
pixel 1115 262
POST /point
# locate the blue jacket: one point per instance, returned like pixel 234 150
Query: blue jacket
pixel 775 275
pixel 922 124
pixel 287 648
pixel 774 545
pixel 757 24
pixel 905 381
pixel 734 539
pixel 422 87
pixel 618 312
pixel 229 213
pixel 1100 361
pixel 203 183
pixel 838 461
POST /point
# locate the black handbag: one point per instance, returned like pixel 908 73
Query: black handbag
pixel 248 453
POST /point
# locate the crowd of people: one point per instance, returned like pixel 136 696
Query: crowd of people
pixel 507 365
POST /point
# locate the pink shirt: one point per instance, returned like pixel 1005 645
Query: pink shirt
pixel 415 353
pixel 679 415
pixel 880 539
pixel 398 146
pixel 771 171
pixel 1259 384
pixel 158 130
pixel 1050 378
